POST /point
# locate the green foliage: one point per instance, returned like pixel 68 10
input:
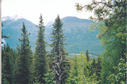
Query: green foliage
pixel 36 81
pixel 112 33
pixel 60 65
pixel 92 70
pixel 110 68
pixel 76 75
pixel 84 72
pixel 23 61
pixel 6 65
pixel 119 77
pixel 40 65
pixel 49 78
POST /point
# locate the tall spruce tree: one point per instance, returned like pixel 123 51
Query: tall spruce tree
pixel 23 61
pixel 40 58
pixel 59 63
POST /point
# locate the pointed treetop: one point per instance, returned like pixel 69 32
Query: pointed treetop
pixel 58 21
pixel 58 17
pixel 87 56
pixel 40 16
pixel 23 28
pixel 23 25
pixel 41 24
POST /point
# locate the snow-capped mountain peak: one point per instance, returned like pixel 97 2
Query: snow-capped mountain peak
pixel 11 18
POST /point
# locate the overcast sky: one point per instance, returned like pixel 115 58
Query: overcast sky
pixel 31 9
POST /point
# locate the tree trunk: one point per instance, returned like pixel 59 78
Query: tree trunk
pixel 58 82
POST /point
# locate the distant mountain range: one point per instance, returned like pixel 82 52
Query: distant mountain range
pixel 76 31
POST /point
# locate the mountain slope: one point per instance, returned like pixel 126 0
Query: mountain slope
pixel 12 28
pixel 78 37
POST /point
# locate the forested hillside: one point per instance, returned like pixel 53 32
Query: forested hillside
pixel 31 63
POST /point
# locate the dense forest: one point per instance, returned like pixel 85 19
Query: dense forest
pixel 24 66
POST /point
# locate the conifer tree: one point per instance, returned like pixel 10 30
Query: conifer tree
pixel 60 65
pixel 76 74
pixel 40 58
pixel 23 61
pixel 6 66
pixel 87 56
pixel 98 71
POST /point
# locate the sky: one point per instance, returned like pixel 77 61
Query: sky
pixel 31 9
